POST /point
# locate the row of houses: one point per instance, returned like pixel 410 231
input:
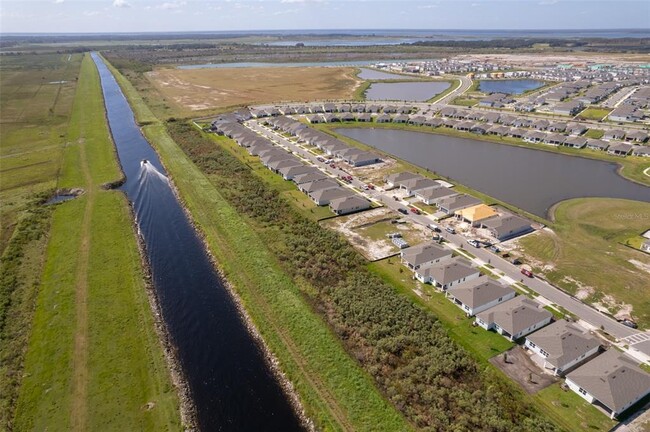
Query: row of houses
pixel 610 380
pixel 331 146
pixel 631 108
pixel 322 189
pixel 500 224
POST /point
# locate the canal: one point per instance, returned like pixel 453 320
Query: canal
pixel 533 180
pixel 232 386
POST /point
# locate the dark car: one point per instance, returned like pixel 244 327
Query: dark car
pixel 403 210
pixel 527 273
pixel 628 323
pixel 516 261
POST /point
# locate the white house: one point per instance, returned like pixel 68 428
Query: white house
pixel 477 295
pixel 612 381
pixel 515 318
pixel 562 345
pixel 448 273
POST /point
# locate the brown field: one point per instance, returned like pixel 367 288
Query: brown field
pixel 203 89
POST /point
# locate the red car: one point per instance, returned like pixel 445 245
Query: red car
pixel 527 272
pixel 332 166
pixel 414 210
pixel 371 186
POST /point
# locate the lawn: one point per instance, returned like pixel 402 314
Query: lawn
pixel 94 359
pixel 594 113
pixel 571 411
pixel 594 133
pixel 586 250
pixel 464 102
pixel 334 390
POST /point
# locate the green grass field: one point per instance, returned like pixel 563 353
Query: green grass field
pixel 464 102
pixel 594 113
pixel 587 247
pixel 94 360
pixel 336 393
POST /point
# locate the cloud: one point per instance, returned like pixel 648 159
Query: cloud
pixel 301 1
pixel 428 6
pixel 172 5
pixel 58 1
pixel 90 13
pixel 121 4
pixel 547 2
pixel 285 12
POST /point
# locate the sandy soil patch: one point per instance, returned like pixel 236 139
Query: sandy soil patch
pixel 366 231
pixel 199 89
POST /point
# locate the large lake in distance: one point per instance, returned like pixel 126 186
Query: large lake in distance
pixel 372 74
pixel 513 86
pixel 532 180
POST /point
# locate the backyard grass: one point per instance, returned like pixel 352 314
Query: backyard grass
pixel 191 91
pixel 571 411
pixel 594 133
pixel 464 102
pixel 334 390
pixel 586 251
pixel 594 113
pixel 94 360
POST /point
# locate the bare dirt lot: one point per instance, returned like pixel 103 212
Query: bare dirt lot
pixel 518 366
pixel 200 89
pixel 367 232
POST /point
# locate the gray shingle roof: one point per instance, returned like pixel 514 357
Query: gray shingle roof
pixel 424 253
pixel 449 271
pixel 564 342
pixel 516 314
pixel 478 292
pixel 613 379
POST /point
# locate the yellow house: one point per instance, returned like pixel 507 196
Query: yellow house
pixel 476 214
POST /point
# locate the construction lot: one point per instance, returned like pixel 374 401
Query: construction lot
pixel 368 232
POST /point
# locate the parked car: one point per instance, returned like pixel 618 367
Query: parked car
pixel 436 237
pixel 433 227
pixel 527 272
pixel 494 249
pixel 332 166
pixel 450 230
pixel 320 159
pixel 474 243
pixel 628 323
pixel 415 210
pixel 516 261
pixel 403 210
pixel 371 186
pixel 395 197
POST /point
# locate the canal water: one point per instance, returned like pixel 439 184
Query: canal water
pixel 529 179
pixel 514 86
pixel 406 91
pixel 232 386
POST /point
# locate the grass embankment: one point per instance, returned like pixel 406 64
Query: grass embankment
pixel 453 84
pixel 94 361
pixel 34 116
pixel 631 167
pixel 586 252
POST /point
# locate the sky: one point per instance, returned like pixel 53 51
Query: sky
pixel 102 16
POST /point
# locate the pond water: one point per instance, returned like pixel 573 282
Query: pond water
pixel 532 180
pixel 232 386
pixel 513 86
pixel 60 198
pixel 372 74
pixel 406 91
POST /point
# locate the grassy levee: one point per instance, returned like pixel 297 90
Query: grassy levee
pixel 94 361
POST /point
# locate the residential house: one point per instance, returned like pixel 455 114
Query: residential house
pixel 395 180
pixel 448 273
pixel 451 204
pixel 515 318
pixel 349 204
pixel 475 214
pixel 479 294
pixel 612 381
pixel 424 255
pixel 620 149
pixel 432 195
pixel 323 196
pixel 507 226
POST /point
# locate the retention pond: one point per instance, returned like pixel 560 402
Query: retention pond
pixel 232 386
pixel 532 180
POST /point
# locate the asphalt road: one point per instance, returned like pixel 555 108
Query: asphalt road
pixel 512 272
